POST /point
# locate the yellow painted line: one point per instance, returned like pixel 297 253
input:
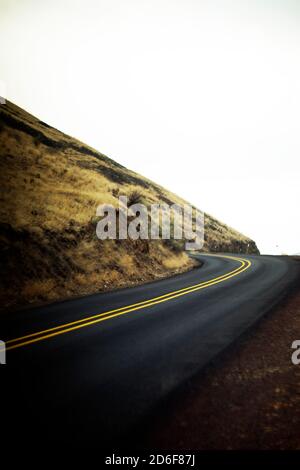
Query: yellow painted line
pixel 144 302
pixel 97 318
pixel 122 309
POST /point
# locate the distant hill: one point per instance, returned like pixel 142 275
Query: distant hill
pixel 51 185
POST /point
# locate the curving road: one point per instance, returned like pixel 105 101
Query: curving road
pixel 89 369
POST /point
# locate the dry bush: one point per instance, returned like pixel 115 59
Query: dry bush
pixel 135 197
pixel 38 289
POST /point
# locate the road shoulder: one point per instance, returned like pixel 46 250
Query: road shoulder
pixel 249 398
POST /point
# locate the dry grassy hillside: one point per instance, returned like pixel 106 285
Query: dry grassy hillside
pixel 51 185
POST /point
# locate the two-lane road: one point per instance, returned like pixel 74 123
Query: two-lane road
pixel 90 368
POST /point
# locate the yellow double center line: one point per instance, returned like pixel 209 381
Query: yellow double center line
pixel 100 317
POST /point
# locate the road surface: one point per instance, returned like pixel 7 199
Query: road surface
pixel 89 369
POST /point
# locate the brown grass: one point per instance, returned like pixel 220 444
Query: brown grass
pixel 51 186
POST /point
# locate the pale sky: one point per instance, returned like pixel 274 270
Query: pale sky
pixel 202 96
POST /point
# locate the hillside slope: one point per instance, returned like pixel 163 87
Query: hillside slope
pixel 51 185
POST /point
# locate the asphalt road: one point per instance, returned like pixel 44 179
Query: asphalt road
pixel 88 370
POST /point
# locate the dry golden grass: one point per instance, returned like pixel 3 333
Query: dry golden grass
pixel 51 186
pixel 175 261
pixel 38 288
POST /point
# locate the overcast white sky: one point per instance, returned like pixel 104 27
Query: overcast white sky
pixel 202 96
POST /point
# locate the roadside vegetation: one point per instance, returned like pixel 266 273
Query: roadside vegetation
pixel 51 185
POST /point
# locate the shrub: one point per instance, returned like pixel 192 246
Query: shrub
pixel 135 197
